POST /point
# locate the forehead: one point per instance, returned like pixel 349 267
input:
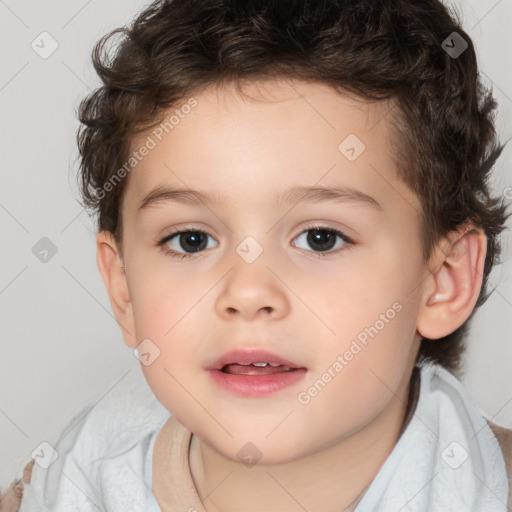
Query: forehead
pixel 274 134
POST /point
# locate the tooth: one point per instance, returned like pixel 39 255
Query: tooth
pixel 286 368
pixel 260 364
pixel 244 364
pixel 274 364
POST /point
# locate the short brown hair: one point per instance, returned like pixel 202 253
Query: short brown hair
pixel 445 137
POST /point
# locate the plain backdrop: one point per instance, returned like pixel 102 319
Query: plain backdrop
pixel 61 348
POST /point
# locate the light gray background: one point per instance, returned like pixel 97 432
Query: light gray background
pixel 61 347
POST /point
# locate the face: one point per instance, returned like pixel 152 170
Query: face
pixel 327 283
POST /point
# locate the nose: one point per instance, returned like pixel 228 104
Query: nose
pixel 251 291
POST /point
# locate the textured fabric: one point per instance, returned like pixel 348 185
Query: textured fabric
pixel 446 459
pixel 504 437
pixel 105 456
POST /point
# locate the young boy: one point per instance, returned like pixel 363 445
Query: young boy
pixel 295 229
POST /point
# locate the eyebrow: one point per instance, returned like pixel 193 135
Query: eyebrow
pixel 164 193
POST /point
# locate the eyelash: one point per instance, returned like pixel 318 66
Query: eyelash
pixel 349 242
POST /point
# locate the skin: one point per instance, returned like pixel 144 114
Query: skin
pixel 307 308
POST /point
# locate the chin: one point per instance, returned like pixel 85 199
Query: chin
pixel 251 453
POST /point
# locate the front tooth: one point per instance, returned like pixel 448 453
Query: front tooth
pixel 274 364
pixel 260 364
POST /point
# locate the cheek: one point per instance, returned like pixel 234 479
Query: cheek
pixel 169 309
pixel 374 323
pixel 160 297
pixel 368 299
pixel 350 390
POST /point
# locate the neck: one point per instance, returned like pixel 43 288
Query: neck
pixel 332 479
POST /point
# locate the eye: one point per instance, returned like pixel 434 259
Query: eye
pixel 192 240
pixel 323 240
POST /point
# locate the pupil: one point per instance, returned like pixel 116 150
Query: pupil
pixel 194 237
pixel 194 241
pixel 323 238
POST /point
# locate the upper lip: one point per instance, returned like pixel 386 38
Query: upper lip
pixel 250 356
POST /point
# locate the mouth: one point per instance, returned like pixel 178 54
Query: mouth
pixel 243 361
pixel 262 368
pixel 254 372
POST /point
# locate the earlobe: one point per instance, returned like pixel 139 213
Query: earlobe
pixel 453 287
pixel 112 271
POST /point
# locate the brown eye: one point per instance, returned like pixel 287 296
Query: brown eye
pixel 189 241
pixel 323 239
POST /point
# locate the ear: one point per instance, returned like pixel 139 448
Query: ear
pixel 452 288
pixel 112 271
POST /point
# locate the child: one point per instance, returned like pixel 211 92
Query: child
pixel 332 158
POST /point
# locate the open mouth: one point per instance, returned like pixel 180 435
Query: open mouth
pixel 255 368
pixel 255 372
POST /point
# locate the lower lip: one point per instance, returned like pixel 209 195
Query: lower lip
pixel 256 385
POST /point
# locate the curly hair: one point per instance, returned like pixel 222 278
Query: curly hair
pixel 444 134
